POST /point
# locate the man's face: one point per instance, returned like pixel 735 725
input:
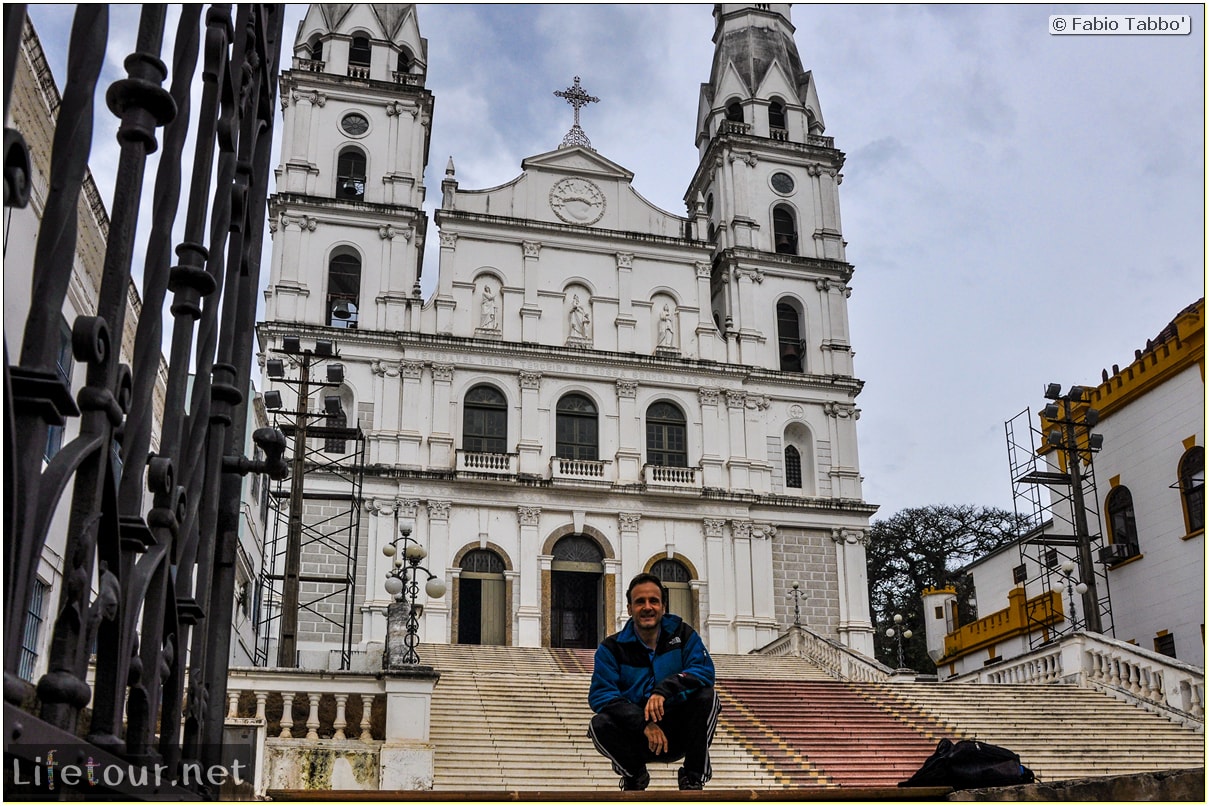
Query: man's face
pixel 646 605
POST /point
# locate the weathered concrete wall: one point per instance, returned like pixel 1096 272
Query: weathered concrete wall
pixel 1172 785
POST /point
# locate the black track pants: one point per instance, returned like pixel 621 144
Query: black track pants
pixel 689 725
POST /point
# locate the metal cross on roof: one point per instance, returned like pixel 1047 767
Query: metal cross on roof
pixel 576 96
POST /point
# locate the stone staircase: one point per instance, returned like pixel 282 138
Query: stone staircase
pixel 515 719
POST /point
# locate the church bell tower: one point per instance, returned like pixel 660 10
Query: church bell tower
pixel 349 205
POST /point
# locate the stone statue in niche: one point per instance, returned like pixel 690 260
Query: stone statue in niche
pixel 667 329
pixel 488 310
pixel 580 320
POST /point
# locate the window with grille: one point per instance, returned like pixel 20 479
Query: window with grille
pixel 666 436
pixel 1122 527
pixel 793 467
pixel 776 115
pixel 33 631
pixel 1164 644
pixel 485 421
pixel 343 290
pixel 576 431
pixel 482 561
pixel 336 443
pixel 1192 487
pixel 789 337
pixel 359 52
pixel 350 174
pixel 784 231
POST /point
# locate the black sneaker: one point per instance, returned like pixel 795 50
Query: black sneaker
pixel 637 784
pixel 689 780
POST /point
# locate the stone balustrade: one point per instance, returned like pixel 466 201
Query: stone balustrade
pixel 1155 682
pixel 578 469
pixel 309 65
pixel 833 658
pixel 661 476
pixel 495 464
pixel 358 71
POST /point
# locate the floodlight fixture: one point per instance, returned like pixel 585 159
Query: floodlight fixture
pixel 272 399
pixel 1053 391
pixel 1095 441
pixel 325 348
pixel 1076 393
pixel 335 373
pixel 1091 418
pixel 1054 438
pixel 1050 412
pixel 291 344
pixel 275 368
pixel 331 404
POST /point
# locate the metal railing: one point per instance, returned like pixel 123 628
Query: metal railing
pixel 141 529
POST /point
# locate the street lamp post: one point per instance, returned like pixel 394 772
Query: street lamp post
pixel 403 584
pixel 1072 587
pixel 899 632
pixel 796 593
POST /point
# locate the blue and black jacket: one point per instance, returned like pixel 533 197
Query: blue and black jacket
pixel 625 669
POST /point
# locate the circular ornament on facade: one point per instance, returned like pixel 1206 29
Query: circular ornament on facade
pixel 782 183
pixel 797 411
pixel 354 124
pixel 577 201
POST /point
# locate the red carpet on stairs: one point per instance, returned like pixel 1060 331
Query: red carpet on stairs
pixel 846 738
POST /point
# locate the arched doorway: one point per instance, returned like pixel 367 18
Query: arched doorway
pixel 576 581
pixel 482 607
pixel 676 578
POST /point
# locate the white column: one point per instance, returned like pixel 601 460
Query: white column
pixel 529 614
pixel 413 403
pixel 855 628
pixel 716 622
pixel 440 441
pixel 625 309
pixel 529 446
pixel 737 462
pixel 629 454
pixel 436 611
pixel 707 332
pixel 711 447
pixel 531 312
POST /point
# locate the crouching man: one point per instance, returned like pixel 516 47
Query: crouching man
pixel 653 692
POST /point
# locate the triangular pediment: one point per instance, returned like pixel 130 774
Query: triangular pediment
pixel 578 161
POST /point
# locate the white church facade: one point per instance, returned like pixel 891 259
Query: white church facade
pixel 596 387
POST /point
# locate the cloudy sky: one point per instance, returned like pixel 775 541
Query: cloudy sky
pixel 1020 207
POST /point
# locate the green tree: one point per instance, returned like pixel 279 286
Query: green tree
pixel 925 547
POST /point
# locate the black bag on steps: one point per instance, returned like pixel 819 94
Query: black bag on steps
pixel 970 765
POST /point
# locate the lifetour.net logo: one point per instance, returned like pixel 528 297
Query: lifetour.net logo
pixel 53 771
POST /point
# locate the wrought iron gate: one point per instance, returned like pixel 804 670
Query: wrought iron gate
pixel 148 572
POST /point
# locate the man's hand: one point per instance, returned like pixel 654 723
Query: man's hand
pixel 656 740
pixel 654 708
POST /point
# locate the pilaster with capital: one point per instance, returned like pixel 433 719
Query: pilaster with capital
pixel 627 526
pixel 382 529
pixel 529 612
pixel 629 438
pixel 441 439
pixel 414 398
pixel 529 446
pixel 737 434
pixel 744 588
pixel 722 584
pixel 855 627
pixel 531 311
pixel 706 329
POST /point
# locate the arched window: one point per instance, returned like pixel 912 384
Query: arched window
pixel 404 63
pixel 666 436
pixel 358 51
pixel 1122 528
pixel 485 421
pixel 675 578
pixel 576 432
pixel 317 50
pixel 343 290
pixel 1192 487
pixel 776 116
pixel 734 112
pixel 789 338
pixel 793 468
pixel 482 610
pixel 784 231
pixel 350 174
